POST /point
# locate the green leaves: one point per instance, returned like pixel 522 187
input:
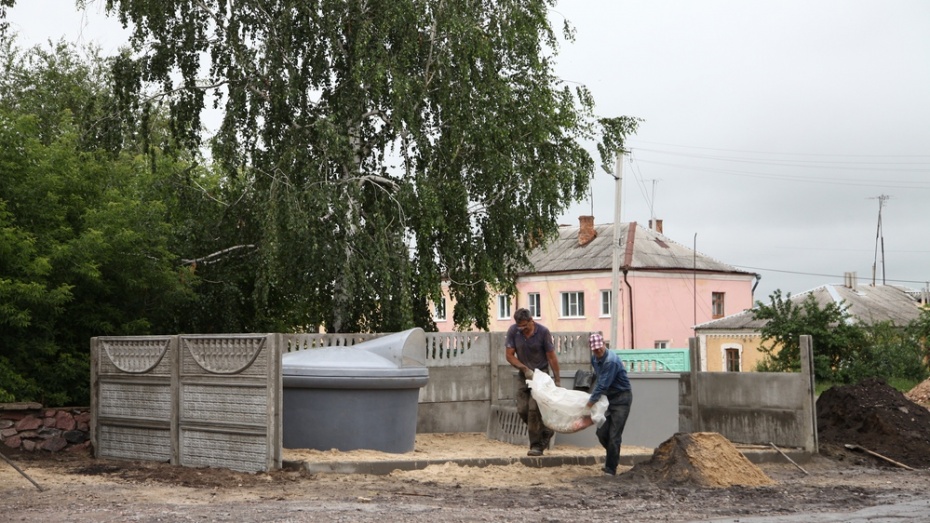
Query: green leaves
pixel 384 144
pixel 86 248
pixel 844 350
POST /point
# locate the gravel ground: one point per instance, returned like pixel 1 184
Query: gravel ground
pixel 77 487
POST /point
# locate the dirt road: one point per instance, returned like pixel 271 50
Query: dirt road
pixel 80 488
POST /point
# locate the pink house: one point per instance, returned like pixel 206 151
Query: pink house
pixel 665 288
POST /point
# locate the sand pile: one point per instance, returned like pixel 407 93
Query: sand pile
pixel 920 394
pixel 705 459
pixel 875 416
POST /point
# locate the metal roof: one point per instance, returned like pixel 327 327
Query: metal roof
pixel 645 249
pixel 866 304
pixel 739 321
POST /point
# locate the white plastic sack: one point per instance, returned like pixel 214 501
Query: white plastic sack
pixel 565 410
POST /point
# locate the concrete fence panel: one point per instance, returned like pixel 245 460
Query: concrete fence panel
pixel 196 400
pixel 755 407
pixel 133 397
pixel 229 389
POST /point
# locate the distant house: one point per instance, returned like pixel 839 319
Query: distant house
pixel 731 344
pixel 665 287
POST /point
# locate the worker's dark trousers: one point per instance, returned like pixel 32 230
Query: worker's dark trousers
pixel 610 434
pixel 529 413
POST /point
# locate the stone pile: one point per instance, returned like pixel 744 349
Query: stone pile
pixel 29 427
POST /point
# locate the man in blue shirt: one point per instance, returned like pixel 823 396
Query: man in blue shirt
pixel 612 382
pixel 529 349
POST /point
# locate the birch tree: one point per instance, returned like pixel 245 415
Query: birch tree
pixel 384 145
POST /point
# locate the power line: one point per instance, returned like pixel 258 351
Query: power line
pixel 797 163
pixel 804 179
pixel 789 154
pixel 815 274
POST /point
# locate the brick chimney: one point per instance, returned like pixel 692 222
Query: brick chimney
pixel 586 231
pixel 657 226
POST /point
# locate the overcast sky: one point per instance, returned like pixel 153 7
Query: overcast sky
pixel 771 127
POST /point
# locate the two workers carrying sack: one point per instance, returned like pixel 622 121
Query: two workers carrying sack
pixel 566 410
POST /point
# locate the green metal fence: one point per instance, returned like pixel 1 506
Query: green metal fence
pixel 655 360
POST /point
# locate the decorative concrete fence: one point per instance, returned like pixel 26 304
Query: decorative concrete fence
pixel 192 400
pixel 215 400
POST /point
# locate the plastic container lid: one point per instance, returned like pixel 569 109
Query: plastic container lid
pixel 372 363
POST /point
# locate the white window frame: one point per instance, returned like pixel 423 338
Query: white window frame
pixel 606 303
pixel 534 304
pixel 572 304
pixel 661 344
pixel 503 307
pixel 723 355
pixel 439 310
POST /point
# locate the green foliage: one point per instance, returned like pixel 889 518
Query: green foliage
pixel 833 333
pixel 372 148
pixel 844 351
pixel 888 352
pixel 918 332
pixel 85 242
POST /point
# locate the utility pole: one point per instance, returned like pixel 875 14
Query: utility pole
pixel 879 238
pixel 615 286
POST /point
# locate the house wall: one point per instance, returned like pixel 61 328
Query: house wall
pixel 663 304
pixel 550 289
pixel 714 345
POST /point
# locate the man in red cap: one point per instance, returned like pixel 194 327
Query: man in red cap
pixel 612 382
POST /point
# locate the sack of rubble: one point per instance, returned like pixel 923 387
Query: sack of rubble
pixel 565 410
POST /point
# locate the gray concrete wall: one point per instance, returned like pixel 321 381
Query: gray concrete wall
pixel 190 400
pixel 216 400
pixel 653 415
pixel 753 407
pixel 469 372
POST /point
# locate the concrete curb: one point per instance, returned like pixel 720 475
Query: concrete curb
pixel 386 467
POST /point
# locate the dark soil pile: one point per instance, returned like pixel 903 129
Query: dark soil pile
pixel 705 459
pixel 874 416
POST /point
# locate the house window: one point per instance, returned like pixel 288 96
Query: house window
pixel 503 307
pixel 732 363
pixel 533 305
pixel 716 302
pixel 605 303
pixel 661 344
pixel 439 310
pixel 573 305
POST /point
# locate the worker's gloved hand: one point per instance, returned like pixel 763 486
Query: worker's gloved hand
pixel 528 374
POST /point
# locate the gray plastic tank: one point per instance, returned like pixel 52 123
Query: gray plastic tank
pixel 359 397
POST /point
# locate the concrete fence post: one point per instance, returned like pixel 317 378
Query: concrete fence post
pixel 494 349
pixel 811 443
pixel 694 346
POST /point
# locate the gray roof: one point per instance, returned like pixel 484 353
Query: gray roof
pixel 739 321
pixel 645 250
pixel 866 304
